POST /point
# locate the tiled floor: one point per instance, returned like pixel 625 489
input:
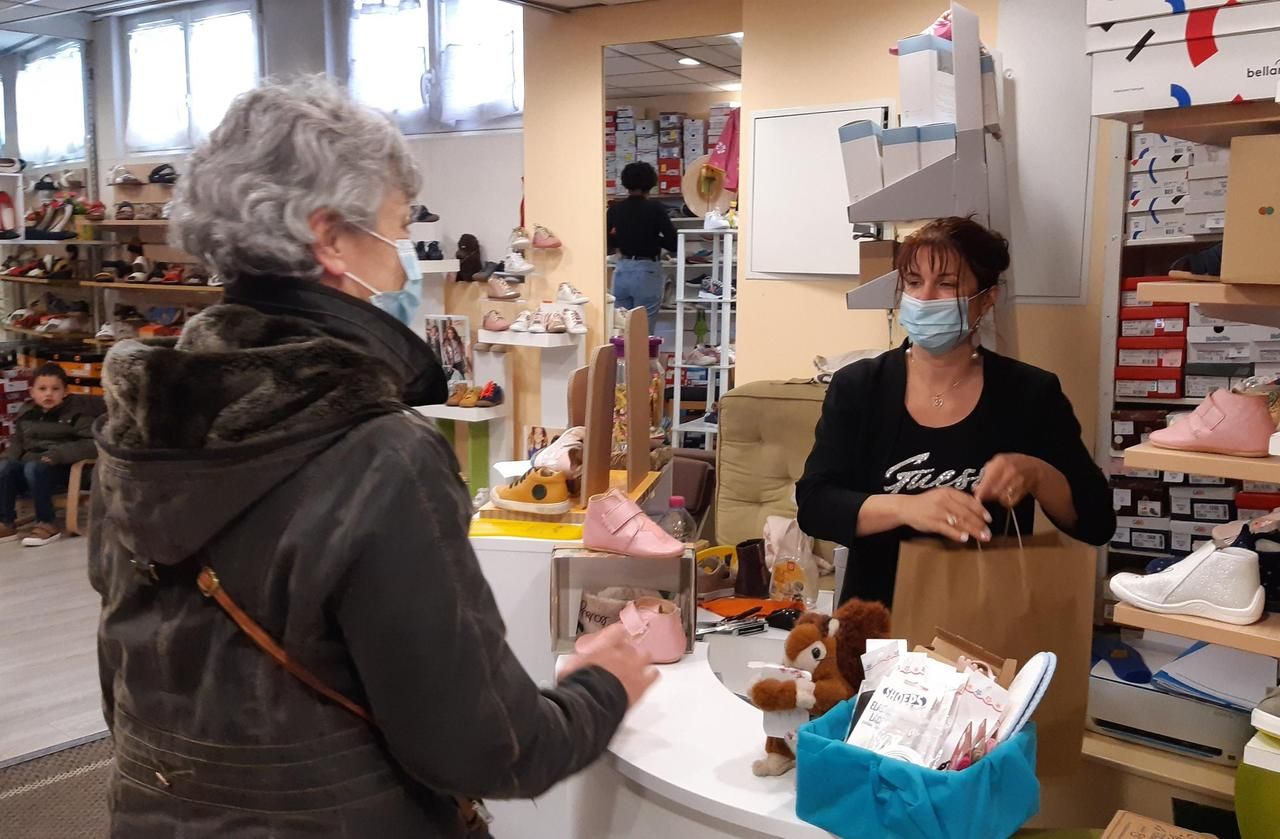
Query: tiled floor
pixel 49 693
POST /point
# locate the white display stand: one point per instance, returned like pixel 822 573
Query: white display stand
pixel 722 267
pixel 562 354
pixel 434 274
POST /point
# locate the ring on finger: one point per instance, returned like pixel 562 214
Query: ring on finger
pixel 952 521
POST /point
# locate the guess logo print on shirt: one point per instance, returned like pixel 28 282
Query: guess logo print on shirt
pixel 916 475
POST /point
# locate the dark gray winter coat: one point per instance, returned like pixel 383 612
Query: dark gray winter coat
pixel 63 434
pixel 279 456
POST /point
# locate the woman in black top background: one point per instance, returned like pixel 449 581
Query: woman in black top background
pixel 639 229
pixel 942 437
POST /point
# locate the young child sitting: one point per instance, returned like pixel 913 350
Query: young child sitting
pixel 52 433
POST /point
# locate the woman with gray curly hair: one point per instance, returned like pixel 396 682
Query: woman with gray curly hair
pixel 296 638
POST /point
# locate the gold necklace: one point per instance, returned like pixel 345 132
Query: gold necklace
pixel 938 398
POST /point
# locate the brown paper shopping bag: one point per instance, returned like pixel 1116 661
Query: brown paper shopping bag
pixel 1016 602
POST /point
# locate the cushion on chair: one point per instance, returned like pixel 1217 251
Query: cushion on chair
pixel 766 432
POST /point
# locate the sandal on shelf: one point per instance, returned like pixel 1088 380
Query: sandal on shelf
pixel 104 277
pixel 61 269
pixel 163 174
pixel 124 211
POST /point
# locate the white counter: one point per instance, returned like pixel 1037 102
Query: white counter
pixel 680 765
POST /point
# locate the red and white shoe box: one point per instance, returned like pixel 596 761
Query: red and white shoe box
pixel 1148 383
pixel 1252 505
pixel 1154 321
pixel 1168 352
pixel 1216 52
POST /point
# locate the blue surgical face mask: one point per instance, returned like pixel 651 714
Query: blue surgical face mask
pixel 402 304
pixel 936 326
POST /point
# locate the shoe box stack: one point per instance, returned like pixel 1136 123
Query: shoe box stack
pixel 16 382
pixel 647 142
pixel 1151 349
pixel 83 369
pixel 875 157
pixel 611 168
pixel 695 138
pixel 670 152
pixel 620 143
pixel 717 119
pixel 1176 188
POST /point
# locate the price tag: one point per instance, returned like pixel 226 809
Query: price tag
pixel 1121 536
pixel 1211 512
pixel 1121 498
pixel 1122 427
pixel 1149 541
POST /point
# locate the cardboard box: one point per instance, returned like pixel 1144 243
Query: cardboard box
pixel 1207 195
pixel 1251 245
pixel 646 128
pixel 1147 534
pixel 1147 202
pixel 1251 505
pixel 937 142
pixel 1158 143
pixel 670 166
pixel 1232 333
pixel 1159 182
pixel 647 143
pixel 1165 27
pixel 860 148
pixel 1213 505
pixel 1197 317
pixel 575 570
pixel 671 119
pixel 1266 369
pixel 670 137
pixel 1184 479
pixel 1129 427
pixel 1109 11
pixel 650 157
pixel 1154 321
pixel 900 151
pixel 1146 499
pixel 1268 351
pixel 1209 162
pixel 1148 383
pixel 1149 163
pixel 1200 224
pixel 1260 487
pixel 1186 536
pixel 1201 353
pixel 926 80
pixel 1151 352
pixel 1142 226
pixel 1129 80
pixel 670 184
pixel 949 647
pixel 1202 379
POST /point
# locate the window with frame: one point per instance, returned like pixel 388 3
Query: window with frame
pixel 51 75
pixel 439 65
pixel 184 67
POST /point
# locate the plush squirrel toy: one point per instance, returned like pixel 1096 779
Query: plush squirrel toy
pixel 830 649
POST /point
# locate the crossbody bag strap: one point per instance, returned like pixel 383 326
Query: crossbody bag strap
pixel 211 587
pixel 475 816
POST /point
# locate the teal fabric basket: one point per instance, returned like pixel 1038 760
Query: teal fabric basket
pixel 857 794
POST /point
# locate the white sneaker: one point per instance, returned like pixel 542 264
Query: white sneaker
pixel 1221 584
pixel 538 322
pixel 517 265
pixel 520 239
pixel 522 322
pixel 702 357
pixel 556 324
pixel 567 293
pixel 499 289
pixel 574 321
pixel 715 221
pixel 564 454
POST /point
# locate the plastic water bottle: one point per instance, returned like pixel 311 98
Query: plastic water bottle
pixel 678 522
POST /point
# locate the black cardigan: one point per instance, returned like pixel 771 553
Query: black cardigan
pixel 855 439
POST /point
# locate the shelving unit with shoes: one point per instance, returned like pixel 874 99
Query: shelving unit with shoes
pixel 714 312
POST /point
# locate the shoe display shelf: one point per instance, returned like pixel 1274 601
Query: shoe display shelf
pixel 560 355
pixel 641 494
pixel 970 181
pixel 1241 302
pixel 490 431
pixel 1211 780
pixel 720 327
pixel 434 272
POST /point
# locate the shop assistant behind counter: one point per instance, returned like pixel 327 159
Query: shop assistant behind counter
pixel 940 436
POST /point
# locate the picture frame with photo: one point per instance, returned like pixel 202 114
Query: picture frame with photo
pixel 537 437
pixel 449 336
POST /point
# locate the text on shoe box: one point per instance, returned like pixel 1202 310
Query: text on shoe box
pixel 1205 504
pixel 1148 534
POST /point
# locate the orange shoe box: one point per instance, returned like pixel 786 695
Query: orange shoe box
pixel 1154 321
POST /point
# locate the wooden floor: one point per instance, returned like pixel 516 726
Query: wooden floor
pixel 49 692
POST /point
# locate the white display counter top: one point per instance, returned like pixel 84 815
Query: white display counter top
pixel 691 740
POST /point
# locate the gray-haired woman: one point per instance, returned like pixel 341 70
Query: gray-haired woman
pixel 263 492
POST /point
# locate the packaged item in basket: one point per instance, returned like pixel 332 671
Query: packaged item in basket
pixel 908 715
pixel 879 660
pixel 979 705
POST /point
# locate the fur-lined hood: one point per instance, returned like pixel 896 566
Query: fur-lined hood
pixel 198 430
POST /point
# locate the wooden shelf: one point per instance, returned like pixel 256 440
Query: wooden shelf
pixel 1177 770
pixel 1148 456
pixel 1199 291
pixel 446 412
pixel 135 223
pixel 1262 637
pixel 39 281
pixel 48 336
pixel 1215 124
pixel 189 289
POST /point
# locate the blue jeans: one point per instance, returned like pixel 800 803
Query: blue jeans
pixel 41 480
pixel 638 282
